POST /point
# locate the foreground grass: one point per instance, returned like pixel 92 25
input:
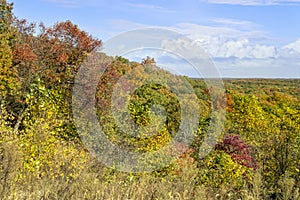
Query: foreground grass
pixel 89 186
pixel 99 182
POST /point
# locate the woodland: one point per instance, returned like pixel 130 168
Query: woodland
pixel 42 156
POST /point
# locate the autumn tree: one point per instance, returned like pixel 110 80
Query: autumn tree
pixel 238 150
pixel 50 56
pixel 270 123
pixel 43 61
pixel 9 81
pixel 52 53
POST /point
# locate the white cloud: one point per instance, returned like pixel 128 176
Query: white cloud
pixel 286 2
pixel 239 48
pixel 216 41
pixel 264 51
pixel 220 31
pixel 239 52
pixel 224 42
pixel 233 23
pixel 64 3
pixel 255 2
pixel 148 7
pixel 293 47
pixel 242 53
pixel 144 6
pixel 218 48
pixel 240 2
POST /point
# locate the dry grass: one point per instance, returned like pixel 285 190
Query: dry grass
pixel 103 183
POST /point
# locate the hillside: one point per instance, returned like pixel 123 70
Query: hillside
pixel 136 131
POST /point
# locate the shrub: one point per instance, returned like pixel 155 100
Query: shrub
pixel 238 150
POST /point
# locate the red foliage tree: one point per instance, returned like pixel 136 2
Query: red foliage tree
pixel 238 149
pixel 52 53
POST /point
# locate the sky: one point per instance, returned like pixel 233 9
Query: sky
pixel 243 38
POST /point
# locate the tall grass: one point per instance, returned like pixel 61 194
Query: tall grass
pixel 96 181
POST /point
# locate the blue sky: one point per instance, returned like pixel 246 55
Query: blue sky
pixel 254 38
